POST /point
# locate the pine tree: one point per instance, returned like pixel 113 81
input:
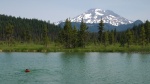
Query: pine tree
pixel 66 34
pixel 61 36
pixel 147 31
pixel 111 37
pixel 142 36
pixel 133 37
pixel 82 34
pixel 100 32
pixel 45 36
pixel 29 38
pixel 28 32
pixel 129 37
pixel 106 40
pixel 74 37
pixel 122 39
pixel 9 30
pixel 115 36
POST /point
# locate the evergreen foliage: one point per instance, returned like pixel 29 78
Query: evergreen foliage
pixel 147 32
pixel 26 30
pixel 106 40
pixel 71 38
pixel 75 37
pixel 142 37
pixel 9 33
pixel 129 37
pixel 111 37
pixel 82 34
pixel 100 32
pixel 22 30
pixel 45 36
pixel 122 39
pixel 68 35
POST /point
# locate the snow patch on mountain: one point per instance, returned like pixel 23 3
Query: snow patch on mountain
pixel 95 15
pixel 87 16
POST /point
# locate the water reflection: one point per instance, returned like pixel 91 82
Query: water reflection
pixel 73 66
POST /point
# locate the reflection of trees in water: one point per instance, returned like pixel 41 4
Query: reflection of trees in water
pixel 144 57
pixel 73 67
pixel 73 55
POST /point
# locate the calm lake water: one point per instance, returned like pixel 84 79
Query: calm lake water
pixel 75 68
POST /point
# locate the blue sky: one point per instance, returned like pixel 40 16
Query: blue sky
pixel 56 10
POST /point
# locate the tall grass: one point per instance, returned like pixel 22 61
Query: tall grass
pixel 56 47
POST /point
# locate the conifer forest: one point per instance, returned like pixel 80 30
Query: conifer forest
pixel 16 30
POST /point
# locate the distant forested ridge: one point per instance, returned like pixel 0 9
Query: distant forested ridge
pixel 26 30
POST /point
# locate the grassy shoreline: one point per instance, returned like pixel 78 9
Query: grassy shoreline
pixel 59 48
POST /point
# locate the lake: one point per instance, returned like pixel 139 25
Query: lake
pixel 74 68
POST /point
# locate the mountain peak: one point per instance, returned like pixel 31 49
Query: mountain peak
pixel 95 9
pixel 94 16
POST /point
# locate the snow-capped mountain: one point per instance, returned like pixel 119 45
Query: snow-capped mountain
pixel 95 15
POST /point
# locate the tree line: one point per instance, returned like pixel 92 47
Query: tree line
pixel 70 37
pixel 25 30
